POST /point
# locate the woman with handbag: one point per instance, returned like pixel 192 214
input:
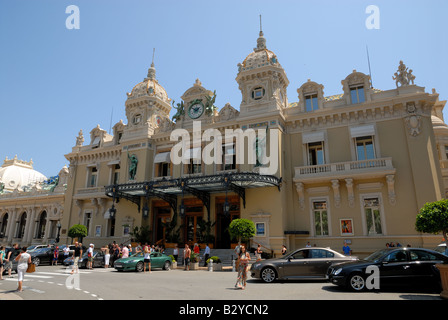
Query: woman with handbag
pixel 243 263
pixel 23 259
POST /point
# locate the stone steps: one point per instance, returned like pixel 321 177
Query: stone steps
pixel 225 255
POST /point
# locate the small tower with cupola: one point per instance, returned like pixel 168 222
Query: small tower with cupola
pixel 262 81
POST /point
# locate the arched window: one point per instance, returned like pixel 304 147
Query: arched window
pixel 42 224
pixel 4 225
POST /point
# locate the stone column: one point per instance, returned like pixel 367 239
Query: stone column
pixel 11 224
pixel 31 216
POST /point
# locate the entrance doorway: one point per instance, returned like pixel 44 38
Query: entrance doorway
pixel 162 215
pixel 223 240
pixel 193 219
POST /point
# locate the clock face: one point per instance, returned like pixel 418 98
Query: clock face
pixel 196 110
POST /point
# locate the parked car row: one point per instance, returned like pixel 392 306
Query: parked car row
pixel 44 255
pixel 392 266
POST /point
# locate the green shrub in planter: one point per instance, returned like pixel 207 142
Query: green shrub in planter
pixel 215 259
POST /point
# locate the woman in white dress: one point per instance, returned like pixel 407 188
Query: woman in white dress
pixel 23 259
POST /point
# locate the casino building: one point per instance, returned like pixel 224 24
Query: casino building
pixel 353 167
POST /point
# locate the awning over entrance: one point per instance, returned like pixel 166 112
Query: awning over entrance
pixel 199 186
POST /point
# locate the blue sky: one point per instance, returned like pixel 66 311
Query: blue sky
pixel 55 81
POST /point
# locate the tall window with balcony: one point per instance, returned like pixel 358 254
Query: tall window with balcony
pixel 87 221
pixel 192 161
pixel 92 178
pixel 311 102
pixel 316 153
pixel 116 174
pixel 364 148
pixel 228 157
pixel 320 214
pixel 373 216
pixel 162 163
pixel 357 94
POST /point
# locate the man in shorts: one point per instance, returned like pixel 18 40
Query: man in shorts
pixel 77 254
pixel 187 253
pixel 10 256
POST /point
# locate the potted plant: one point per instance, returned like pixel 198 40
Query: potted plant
pixel 242 229
pixel 173 262
pixel 433 218
pixel 194 261
pixel 217 265
pixel 77 231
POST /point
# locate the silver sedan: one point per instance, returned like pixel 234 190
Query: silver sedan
pixel 304 263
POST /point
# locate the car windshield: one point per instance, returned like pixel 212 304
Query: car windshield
pixel 376 255
pixel 138 254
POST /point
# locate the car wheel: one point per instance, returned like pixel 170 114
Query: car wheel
pixel 268 275
pixel 356 282
pixel 167 265
pixel 36 261
pixel 139 267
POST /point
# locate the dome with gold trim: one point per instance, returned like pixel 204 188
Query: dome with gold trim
pixel 15 173
pixel 149 87
pixel 438 125
pixel 260 57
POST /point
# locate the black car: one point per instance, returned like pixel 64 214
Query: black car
pixel 42 256
pixel 98 259
pixel 393 266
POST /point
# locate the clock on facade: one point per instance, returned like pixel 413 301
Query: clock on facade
pixel 196 110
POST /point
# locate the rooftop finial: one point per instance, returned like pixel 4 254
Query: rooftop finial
pixel 152 70
pixel 153 51
pixel 261 41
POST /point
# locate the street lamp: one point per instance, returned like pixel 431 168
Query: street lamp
pixel 226 202
pixel 112 211
pixel 145 210
pixel 58 225
pixel 182 206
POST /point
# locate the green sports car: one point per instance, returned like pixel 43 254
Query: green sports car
pixel 135 262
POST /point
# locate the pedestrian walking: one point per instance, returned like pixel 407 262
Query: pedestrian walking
pixel 243 263
pixel 10 256
pixel 23 259
pixel 196 248
pixel 66 251
pixel 176 252
pixel 90 257
pixel 284 250
pixel 187 253
pixel 206 254
pixel 125 252
pixel 77 254
pixel 2 259
pixel 106 251
pixel 346 249
pixel 55 256
pixel 237 251
pixel 258 253
pixel 147 259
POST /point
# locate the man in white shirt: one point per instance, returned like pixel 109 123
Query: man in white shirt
pixel 125 252
pixel 206 254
